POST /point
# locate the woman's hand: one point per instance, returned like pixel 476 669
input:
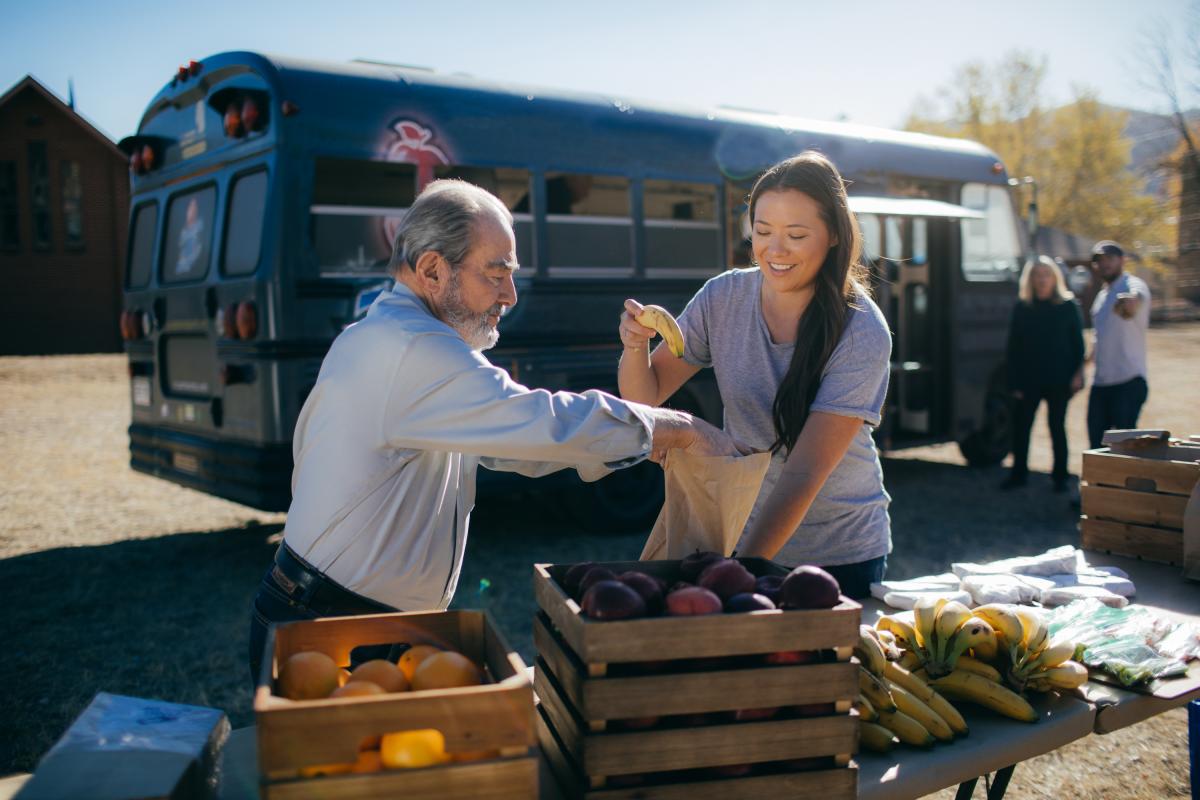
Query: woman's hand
pixel 634 336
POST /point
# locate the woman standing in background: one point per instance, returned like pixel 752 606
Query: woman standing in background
pixel 1045 362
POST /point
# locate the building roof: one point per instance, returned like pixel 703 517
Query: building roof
pixel 30 82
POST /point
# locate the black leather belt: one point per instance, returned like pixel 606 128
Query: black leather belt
pixel 305 585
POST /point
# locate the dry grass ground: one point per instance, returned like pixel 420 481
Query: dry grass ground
pixel 119 582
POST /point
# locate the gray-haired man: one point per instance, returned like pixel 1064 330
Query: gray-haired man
pixel 406 407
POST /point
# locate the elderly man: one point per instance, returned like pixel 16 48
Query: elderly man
pixel 404 409
pixel 1120 317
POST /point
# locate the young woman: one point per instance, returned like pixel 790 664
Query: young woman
pixel 801 358
pixel 1045 362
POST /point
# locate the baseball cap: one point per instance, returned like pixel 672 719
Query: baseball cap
pixel 1106 248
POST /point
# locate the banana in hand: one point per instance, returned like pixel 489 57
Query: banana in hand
pixel 661 320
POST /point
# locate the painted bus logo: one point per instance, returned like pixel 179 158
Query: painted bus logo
pixel 414 145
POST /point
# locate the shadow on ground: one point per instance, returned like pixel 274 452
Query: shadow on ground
pixel 167 618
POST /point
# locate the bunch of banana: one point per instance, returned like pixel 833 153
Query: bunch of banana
pixel 661 320
pixel 943 633
pixel 895 704
pixel 1033 661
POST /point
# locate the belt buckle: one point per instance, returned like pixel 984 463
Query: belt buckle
pixel 287 583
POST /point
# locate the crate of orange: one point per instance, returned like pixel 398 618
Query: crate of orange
pixel 452 718
pixel 695 684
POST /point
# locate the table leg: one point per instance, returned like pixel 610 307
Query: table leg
pixel 966 789
pixel 1000 785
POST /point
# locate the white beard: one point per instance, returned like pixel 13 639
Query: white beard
pixel 474 328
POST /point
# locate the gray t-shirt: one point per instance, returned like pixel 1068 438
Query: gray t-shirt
pixel 724 328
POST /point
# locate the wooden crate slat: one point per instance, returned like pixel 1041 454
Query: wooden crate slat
pixel 566 668
pixel 1141 508
pixel 1153 544
pixel 830 784
pixel 1121 471
pixel 693 637
pixel 500 779
pixel 623 753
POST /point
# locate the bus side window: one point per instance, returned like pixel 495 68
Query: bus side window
pixel 188 240
pixel 512 187
pixel 141 249
pixel 991 247
pixel 682 233
pixel 243 231
pixel 589 227
pixel 356 209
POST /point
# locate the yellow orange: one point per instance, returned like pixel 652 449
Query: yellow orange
pixel 416 748
pixel 358 689
pixel 308 675
pixel 446 670
pixel 382 673
pixel 414 656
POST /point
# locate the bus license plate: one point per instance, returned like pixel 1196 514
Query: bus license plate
pixel 141 391
pixel 185 462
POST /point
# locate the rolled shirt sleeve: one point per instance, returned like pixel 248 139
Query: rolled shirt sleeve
pixel 454 399
pixel 856 376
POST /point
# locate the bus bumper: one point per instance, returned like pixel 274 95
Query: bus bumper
pixel 258 476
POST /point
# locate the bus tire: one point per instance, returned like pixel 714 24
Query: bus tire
pixel 988 446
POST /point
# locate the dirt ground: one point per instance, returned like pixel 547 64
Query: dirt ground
pixel 119 582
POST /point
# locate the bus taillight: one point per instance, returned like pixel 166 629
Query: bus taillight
pixel 135 162
pixel 233 119
pixel 247 319
pixel 250 115
pixel 194 67
pixel 147 158
pixel 132 325
pixel 227 321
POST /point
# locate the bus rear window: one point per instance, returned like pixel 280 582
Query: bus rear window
pixel 356 208
pixel 187 247
pixel 588 225
pixel 243 230
pixel 682 233
pixel 991 247
pixel 141 245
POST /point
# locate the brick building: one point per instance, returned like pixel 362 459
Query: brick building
pixel 64 209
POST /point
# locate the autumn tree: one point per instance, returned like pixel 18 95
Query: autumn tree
pixel 1076 152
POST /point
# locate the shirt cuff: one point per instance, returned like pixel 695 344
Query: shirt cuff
pixel 641 417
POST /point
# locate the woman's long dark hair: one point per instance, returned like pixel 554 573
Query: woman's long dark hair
pixel 841 275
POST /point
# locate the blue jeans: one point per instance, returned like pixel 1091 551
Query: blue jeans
pixel 1114 407
pixel 856 579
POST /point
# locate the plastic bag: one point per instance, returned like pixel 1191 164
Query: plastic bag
pixel 1127 643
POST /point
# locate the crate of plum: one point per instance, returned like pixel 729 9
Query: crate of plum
pixel 706 676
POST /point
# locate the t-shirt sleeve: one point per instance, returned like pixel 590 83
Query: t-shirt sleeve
pixel 694 322
pixel 856 377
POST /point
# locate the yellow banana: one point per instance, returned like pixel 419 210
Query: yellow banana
pixel 1054 654
pixel 874 690
pixel 885 637
pixel 661 320
pixel 869 653
pixel 1004 622
pixel 924 613
pixel 985 649
pixel 875 738
pixel 961 685
pixel 950 618
pixel 1067 675
pixel 910 660
pixel 902 677
pixel 904 632
pixel 968 664
pixel 975 632
pixel 1033 628
pixel 866 711
pixel 946 711
pixel 907 729
pixel 909 704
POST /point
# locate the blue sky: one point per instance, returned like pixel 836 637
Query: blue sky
pixel 865 60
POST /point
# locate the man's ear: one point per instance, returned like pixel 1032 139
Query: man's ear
pixel 427 269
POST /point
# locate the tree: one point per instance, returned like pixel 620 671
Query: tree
pixel 1076 152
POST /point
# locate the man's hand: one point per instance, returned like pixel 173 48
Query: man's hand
pixel 680 430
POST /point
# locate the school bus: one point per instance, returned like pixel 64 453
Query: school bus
pixel 266 192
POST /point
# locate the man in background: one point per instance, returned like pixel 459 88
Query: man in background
pixel 1120 318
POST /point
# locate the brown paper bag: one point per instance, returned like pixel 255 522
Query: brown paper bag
pixel 707 503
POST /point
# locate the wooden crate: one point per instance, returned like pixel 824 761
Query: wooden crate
pixel 1133 505
pixel 495 716
pixel 591 676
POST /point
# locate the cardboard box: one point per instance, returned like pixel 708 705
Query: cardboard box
pixel 122 748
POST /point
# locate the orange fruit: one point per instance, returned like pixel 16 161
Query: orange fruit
pixel 417 748
pixel 369 743
pixel 307 675
pixel 368 761
pixel 446 670
pixel 343 676
pixel 358 689
pixel 414 656
pixel 382 673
